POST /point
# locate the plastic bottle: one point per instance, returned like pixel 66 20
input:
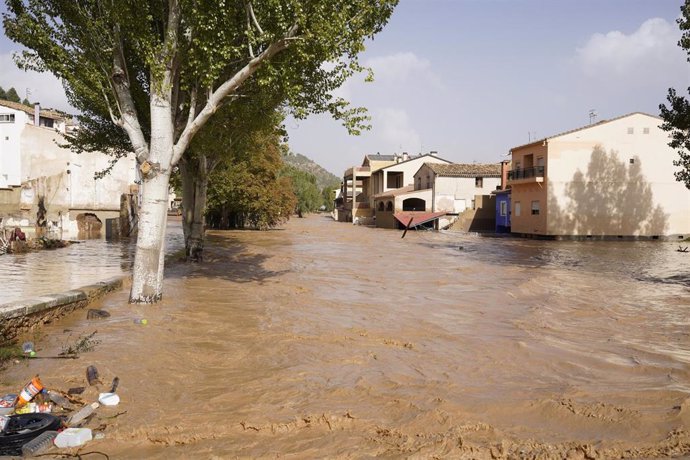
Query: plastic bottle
pixel 142 321
pixel 28 347
pixel 58 399
pixel 115 384
pixel 73 437
pixel 92 375
pixel 39 444
pixel 83 413
pixel 31 389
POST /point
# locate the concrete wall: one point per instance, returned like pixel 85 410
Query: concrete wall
pixel 10 138
pixel 64 183
pixel 616 179
pixel 455 194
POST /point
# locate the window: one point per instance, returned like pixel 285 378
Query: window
pixel 6 118
pixel 428 182
pixel 517 208
pixel 503 208
pixel 632 161
pixel 631 130
pixel 419 183
pixel 380 205
pixel 389 206
pixel 479 182
pixel 645 130
pixel 535 208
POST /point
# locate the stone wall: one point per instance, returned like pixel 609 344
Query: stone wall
pixel 19 317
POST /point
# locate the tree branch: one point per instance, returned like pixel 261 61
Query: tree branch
pixel 215 99
pixel 250 10
pixel 128 112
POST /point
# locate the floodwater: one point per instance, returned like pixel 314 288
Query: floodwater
pixel 89 261
pixel 327 340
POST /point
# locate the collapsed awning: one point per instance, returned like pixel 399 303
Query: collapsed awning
pixel 418 217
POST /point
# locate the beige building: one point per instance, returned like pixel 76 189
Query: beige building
pixel 609 179
pixel 46 186
pixel 443 189
pixel 353 203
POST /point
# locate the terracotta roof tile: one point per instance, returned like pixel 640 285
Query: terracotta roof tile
pixel 466 169
pixel 30 110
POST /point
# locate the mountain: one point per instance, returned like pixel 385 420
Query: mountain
pixel 323 178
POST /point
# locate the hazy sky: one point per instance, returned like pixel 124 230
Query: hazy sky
pixel 473 78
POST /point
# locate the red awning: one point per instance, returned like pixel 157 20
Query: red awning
pixel 418 217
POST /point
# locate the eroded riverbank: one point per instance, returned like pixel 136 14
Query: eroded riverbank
pixel 330 340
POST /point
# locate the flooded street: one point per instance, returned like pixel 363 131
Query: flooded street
pixel 52 271
pixel 331 340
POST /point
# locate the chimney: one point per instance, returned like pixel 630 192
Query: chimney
pixel 37 114
pixel 405 156
pixel 433 153
pixel 505 166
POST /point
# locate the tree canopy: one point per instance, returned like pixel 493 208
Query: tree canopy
pixel 677 115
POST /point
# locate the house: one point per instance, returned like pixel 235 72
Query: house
pixel 441 190
pixel 353 202
pixel 502 210
pixel 612 179
pixel 46 188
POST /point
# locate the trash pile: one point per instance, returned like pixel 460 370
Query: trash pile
pixel 39 419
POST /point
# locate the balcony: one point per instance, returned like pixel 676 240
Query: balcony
pixel 526 175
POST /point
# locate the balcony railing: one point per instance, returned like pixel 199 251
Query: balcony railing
pixel 526 173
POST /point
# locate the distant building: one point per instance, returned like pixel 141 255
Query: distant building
pixel 47 187
pixel 441 190
pixel 612 179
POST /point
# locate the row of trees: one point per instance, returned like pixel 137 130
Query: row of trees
pixel 11 95
pixel 149 77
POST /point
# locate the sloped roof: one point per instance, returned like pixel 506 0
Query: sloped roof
pixel 379 157
pixel 396 191
pixel 415 218
pixel 30 110
pixel 602 122
pixel 414 158
pixel 466 169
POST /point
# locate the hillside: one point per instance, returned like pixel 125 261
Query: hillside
pixel 323 177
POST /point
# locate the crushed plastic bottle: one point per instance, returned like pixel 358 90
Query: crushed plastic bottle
pixel 28 349
pixel 83 413
pixel 58 399
pixel 39 444
pixel 142 321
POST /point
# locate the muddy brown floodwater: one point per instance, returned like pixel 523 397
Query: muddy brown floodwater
pixel 331 340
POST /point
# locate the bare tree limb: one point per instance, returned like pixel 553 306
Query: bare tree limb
pixel 250 10
pixel 215 99
pixel 128 113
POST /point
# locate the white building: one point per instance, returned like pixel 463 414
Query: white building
pixel 43 183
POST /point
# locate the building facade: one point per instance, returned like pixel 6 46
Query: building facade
pixel 46 187
pixel 612 179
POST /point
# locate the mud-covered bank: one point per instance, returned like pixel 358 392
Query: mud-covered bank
pixel 330 340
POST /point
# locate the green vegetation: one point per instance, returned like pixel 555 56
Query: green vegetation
pixel 306 191
pixel 247 191
pixel 325 180
pixel 298 161
pixel 677 115
pixel 10 95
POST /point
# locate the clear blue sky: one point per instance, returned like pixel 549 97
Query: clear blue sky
pixel 473 78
